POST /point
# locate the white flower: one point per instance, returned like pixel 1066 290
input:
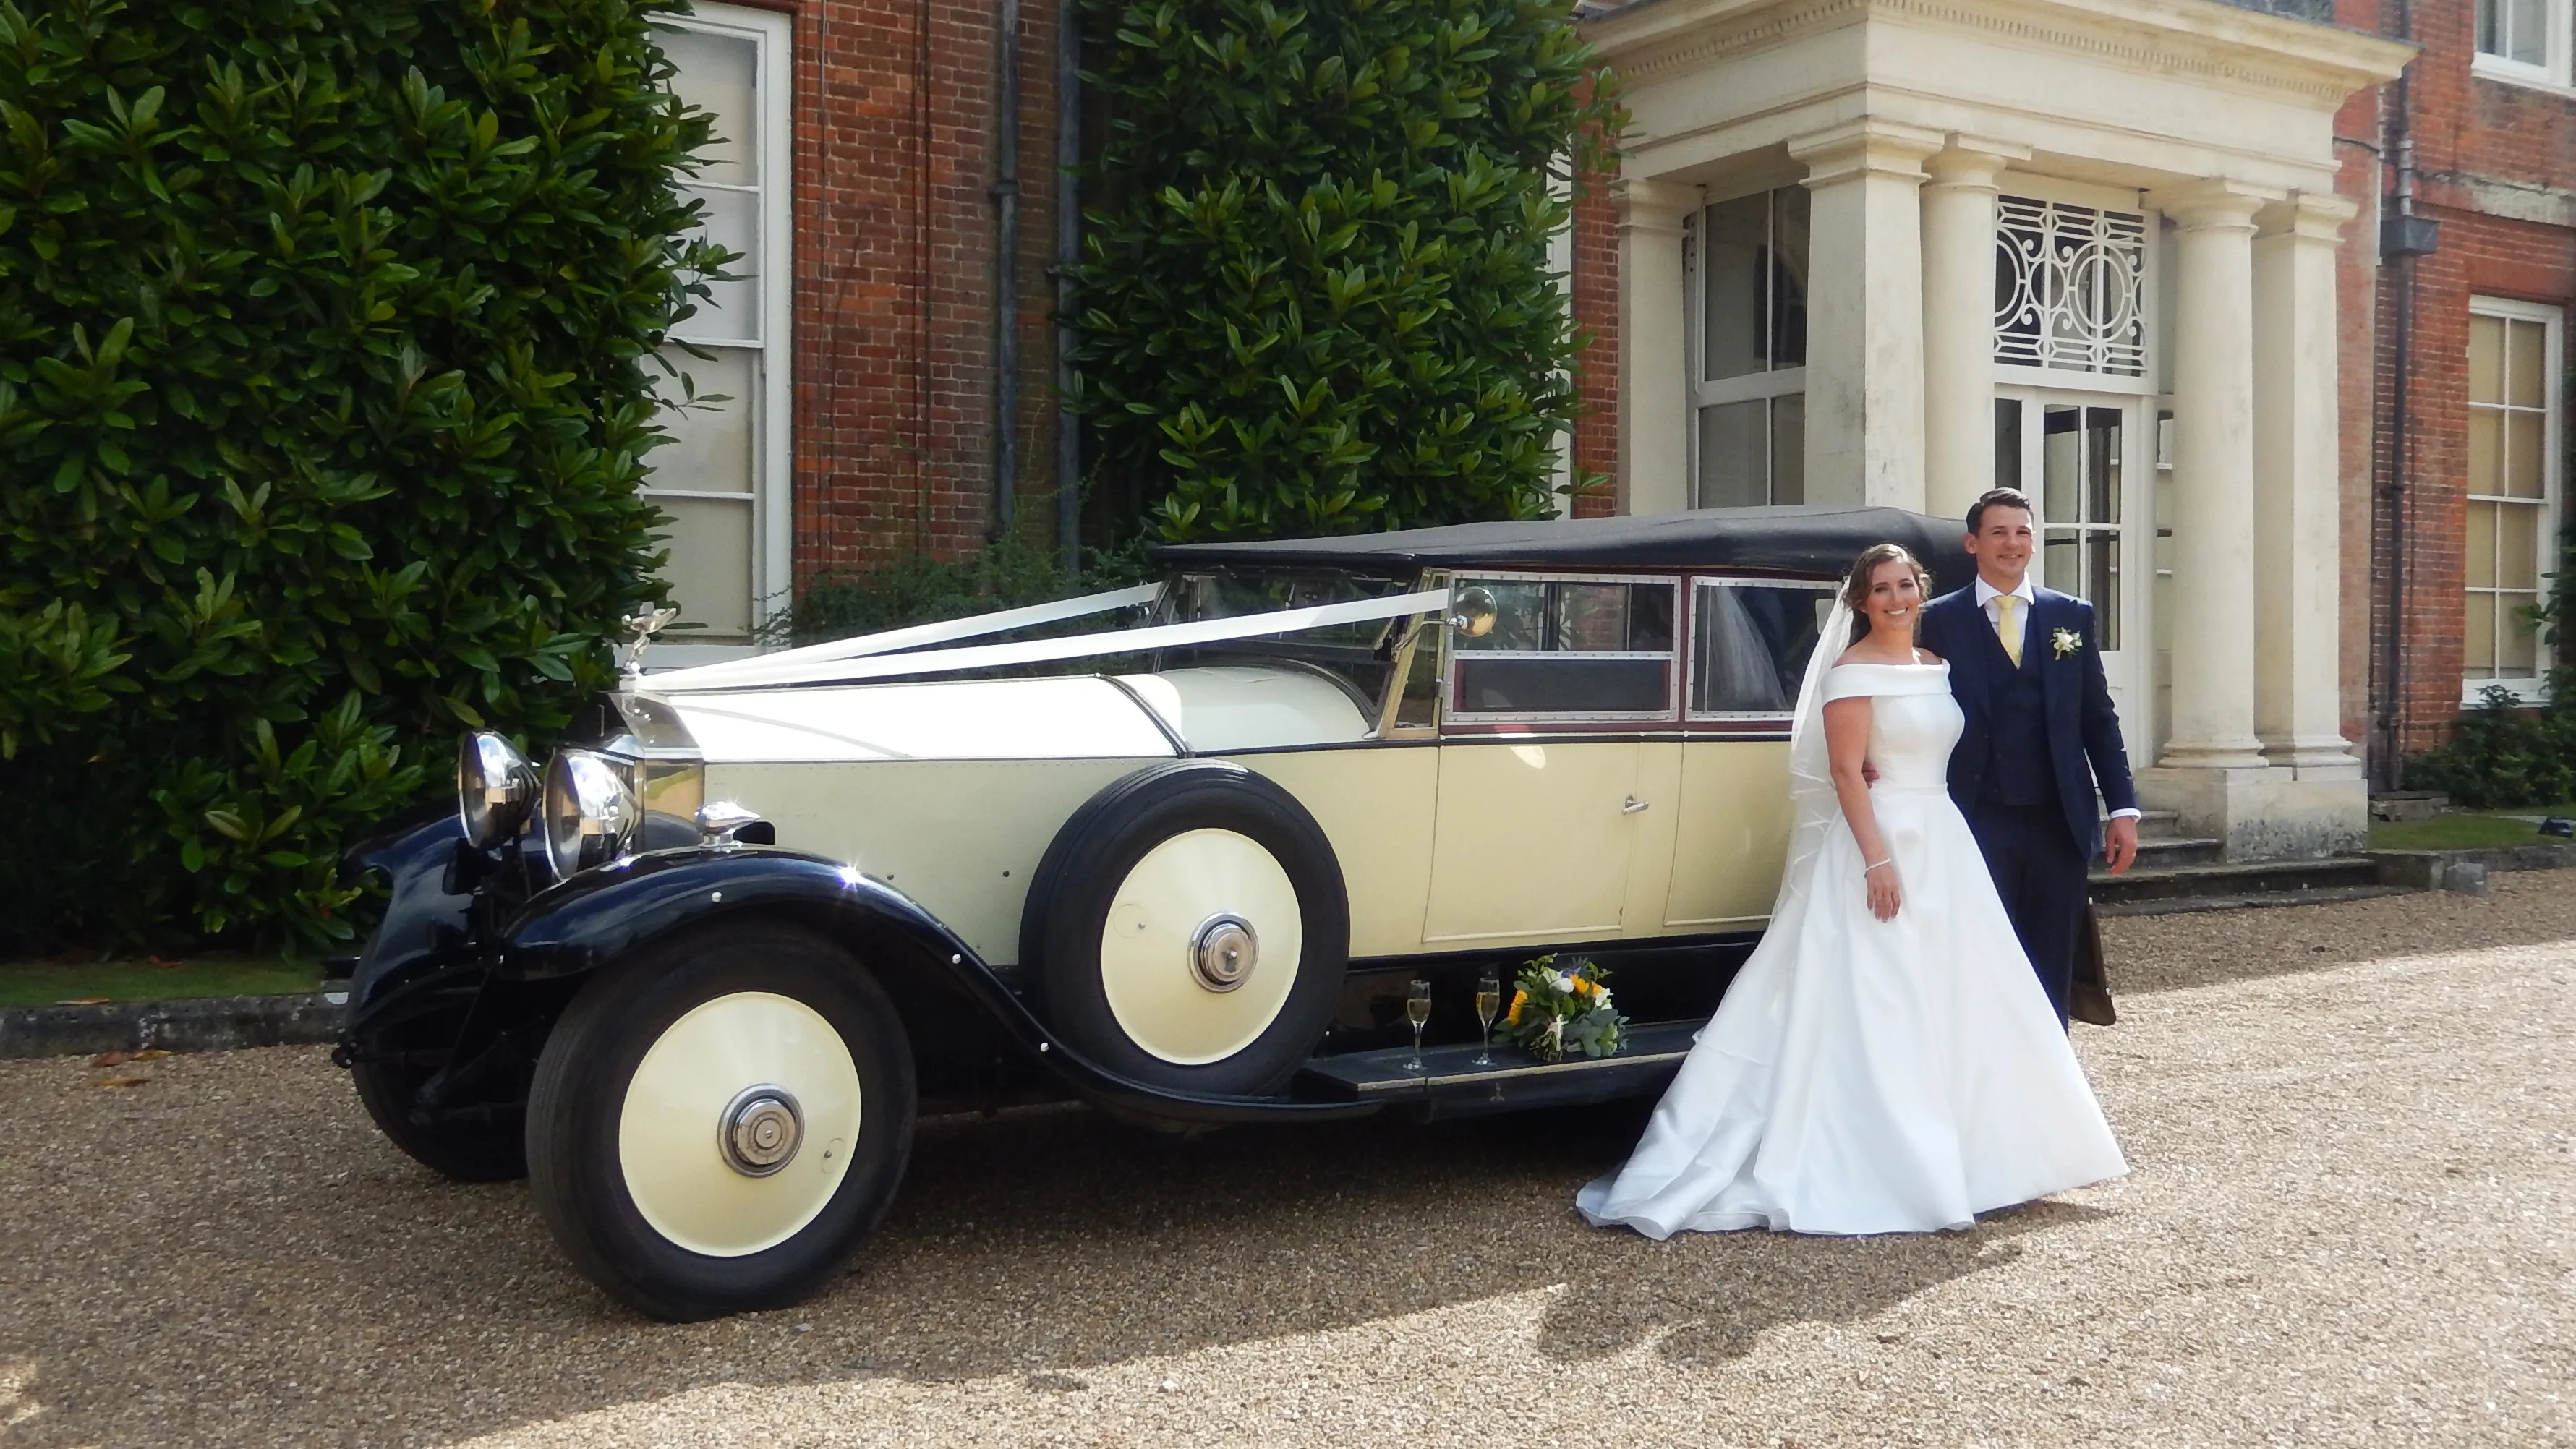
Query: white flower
pixel 2065 642
pixel 1564 982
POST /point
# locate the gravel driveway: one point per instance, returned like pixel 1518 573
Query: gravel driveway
pixel 2349 1223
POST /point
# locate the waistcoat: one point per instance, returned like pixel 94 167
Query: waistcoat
pixel 2019 771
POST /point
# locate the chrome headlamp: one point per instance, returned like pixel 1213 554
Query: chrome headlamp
pixel 495 788
pixel 590 811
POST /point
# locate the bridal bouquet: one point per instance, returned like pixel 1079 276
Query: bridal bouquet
pixel 1556 1011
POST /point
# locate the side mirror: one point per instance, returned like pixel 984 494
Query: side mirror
pixel 1475 613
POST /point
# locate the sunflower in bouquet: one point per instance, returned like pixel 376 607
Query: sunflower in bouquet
pixel 1554 1011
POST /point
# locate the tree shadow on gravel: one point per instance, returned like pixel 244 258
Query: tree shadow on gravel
pixel 232 1255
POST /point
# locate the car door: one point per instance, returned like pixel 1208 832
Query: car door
pixel 1750 640
pixel 1552 680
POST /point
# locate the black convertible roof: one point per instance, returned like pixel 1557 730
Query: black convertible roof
pixel 1789 540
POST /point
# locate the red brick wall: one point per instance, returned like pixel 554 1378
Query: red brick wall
pixel 1596 311
pixel 895 239
pixel 2465 127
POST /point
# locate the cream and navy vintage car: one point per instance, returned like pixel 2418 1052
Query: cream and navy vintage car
pixel 697 973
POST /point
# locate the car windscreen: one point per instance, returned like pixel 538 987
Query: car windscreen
pixel 1359 656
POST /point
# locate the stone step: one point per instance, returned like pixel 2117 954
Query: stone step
pixel 2159 852
pixel 2285 882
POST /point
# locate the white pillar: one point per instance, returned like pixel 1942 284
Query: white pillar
pixel 1865 312
pixel 2297 486
pixel 1654 388
pixel 2214 559
pixel 1959 322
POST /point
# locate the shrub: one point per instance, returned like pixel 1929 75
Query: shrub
pixel 2502 753
pixel 916 588
pixel 323 405
pixel 1315 296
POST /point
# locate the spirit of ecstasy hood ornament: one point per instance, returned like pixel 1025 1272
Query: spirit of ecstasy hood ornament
pixel 634 633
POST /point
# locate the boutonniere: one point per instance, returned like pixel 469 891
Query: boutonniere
pixel 2065 642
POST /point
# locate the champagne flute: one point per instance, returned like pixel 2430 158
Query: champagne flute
pixel 1417 1009
pixel 1489 1004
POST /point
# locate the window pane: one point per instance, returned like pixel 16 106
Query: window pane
pixel 1491 684
pixel 2525 38
pixel 1733 473
pixel 2060 462
pixel 1609 618
pixel 2007 442
pixel 710 568
pixel 717 73
pixel 711 442
pixel 2525 342
pixel 730 309
pixel 1520 616
pixel 2491 26
pixel 2477 644
pixel 1751 646
pixel 2061 562
pixel 2101 465
pixel 2486 450
pixel 1789 277
pixel 2517 561
pixel 2481 568
pixel 2102 583
pixel 2517 646
pixel 2524 457
pixel 1734 245
pixel 2486 359
pixel 1789 449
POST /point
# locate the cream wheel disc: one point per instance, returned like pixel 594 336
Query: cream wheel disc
pixel 738 1124
pixel 1201 947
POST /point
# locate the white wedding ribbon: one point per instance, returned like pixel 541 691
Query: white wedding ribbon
pixel 776 671
pixel 744 672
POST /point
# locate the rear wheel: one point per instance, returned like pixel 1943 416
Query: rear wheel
pixel 718 1124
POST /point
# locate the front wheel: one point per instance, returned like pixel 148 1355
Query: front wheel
pixel 719 1123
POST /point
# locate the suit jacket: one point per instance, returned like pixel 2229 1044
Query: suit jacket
pixel 2084 747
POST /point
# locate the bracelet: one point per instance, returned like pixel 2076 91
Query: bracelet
pixel 1875 864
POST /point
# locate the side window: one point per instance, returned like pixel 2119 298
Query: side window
pixel 1750 642
pixel 1566 647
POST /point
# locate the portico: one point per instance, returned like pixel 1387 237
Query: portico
pixel 1900 251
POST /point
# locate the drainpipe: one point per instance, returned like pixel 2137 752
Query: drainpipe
pixel 1006 278
pixel 1068 252
pixel 2403 237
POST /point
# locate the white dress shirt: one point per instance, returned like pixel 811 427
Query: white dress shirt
pixel 1986 596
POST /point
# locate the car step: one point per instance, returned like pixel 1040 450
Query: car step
pixel 1452 1085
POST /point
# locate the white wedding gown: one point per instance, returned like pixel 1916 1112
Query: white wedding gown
pixel 1867 1076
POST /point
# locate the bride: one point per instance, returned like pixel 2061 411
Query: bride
pixel 1885 1062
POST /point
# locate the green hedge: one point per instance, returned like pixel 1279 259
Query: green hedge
pixel 2502 753
pixel 324 335
pixel 1315 296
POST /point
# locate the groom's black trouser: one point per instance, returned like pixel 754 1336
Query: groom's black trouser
pixel 2040 873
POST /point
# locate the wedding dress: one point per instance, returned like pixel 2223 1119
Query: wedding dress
pixel 1867 1076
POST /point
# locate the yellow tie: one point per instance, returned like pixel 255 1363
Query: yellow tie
pixel 2008 625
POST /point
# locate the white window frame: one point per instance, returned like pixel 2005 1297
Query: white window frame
pixel 774 464
pixel 1689 644
pixel 1744 387
pixel 2552 73
pixel 1454 714
pixel 2534 689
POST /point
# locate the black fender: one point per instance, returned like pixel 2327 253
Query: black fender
pixel 602 915
pixel 424 948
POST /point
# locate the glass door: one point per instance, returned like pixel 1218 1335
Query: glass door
pixel 2078 455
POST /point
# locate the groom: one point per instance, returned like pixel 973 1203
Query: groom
pixel 2041 732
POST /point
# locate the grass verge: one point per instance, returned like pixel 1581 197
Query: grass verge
pixel 2467 830
pixel 47 983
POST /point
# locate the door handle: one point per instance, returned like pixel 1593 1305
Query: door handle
pixel 1633 806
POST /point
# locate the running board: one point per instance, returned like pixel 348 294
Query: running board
pixel 1450 1083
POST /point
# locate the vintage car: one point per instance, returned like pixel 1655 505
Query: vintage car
pixel 697 975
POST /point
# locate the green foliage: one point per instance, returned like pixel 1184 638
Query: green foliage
pixel 324 327
pixel 1315 297
pixel 2502 753
pixel 916 588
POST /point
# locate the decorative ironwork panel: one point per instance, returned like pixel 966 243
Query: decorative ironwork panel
pixel 2070 287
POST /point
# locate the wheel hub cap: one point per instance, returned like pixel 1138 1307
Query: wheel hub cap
pixel 1223 951
pixel 761 1130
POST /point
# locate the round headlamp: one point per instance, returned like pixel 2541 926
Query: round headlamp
pixel 495 788
pixel 590 812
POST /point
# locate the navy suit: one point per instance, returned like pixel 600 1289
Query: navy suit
pixel 2038 740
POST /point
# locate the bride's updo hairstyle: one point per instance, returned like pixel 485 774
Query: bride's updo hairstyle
pixel 1856 585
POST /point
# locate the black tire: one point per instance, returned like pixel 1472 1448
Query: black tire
pixel 492 1148
pixel 576 1172
pixel 1092 857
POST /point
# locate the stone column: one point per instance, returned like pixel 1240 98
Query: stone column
pixel 2297 483
pixel 1865 312
pixel 1654 382
pixel 1959 322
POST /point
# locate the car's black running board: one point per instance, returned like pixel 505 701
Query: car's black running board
pixel 1450 1083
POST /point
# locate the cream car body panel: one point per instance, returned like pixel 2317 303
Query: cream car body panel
pixel 978 719
pixel 1532 839
pixel 1246 707
pixel 1652 830
pixel 1375 803
pixel 1733 828
pixel 962 837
